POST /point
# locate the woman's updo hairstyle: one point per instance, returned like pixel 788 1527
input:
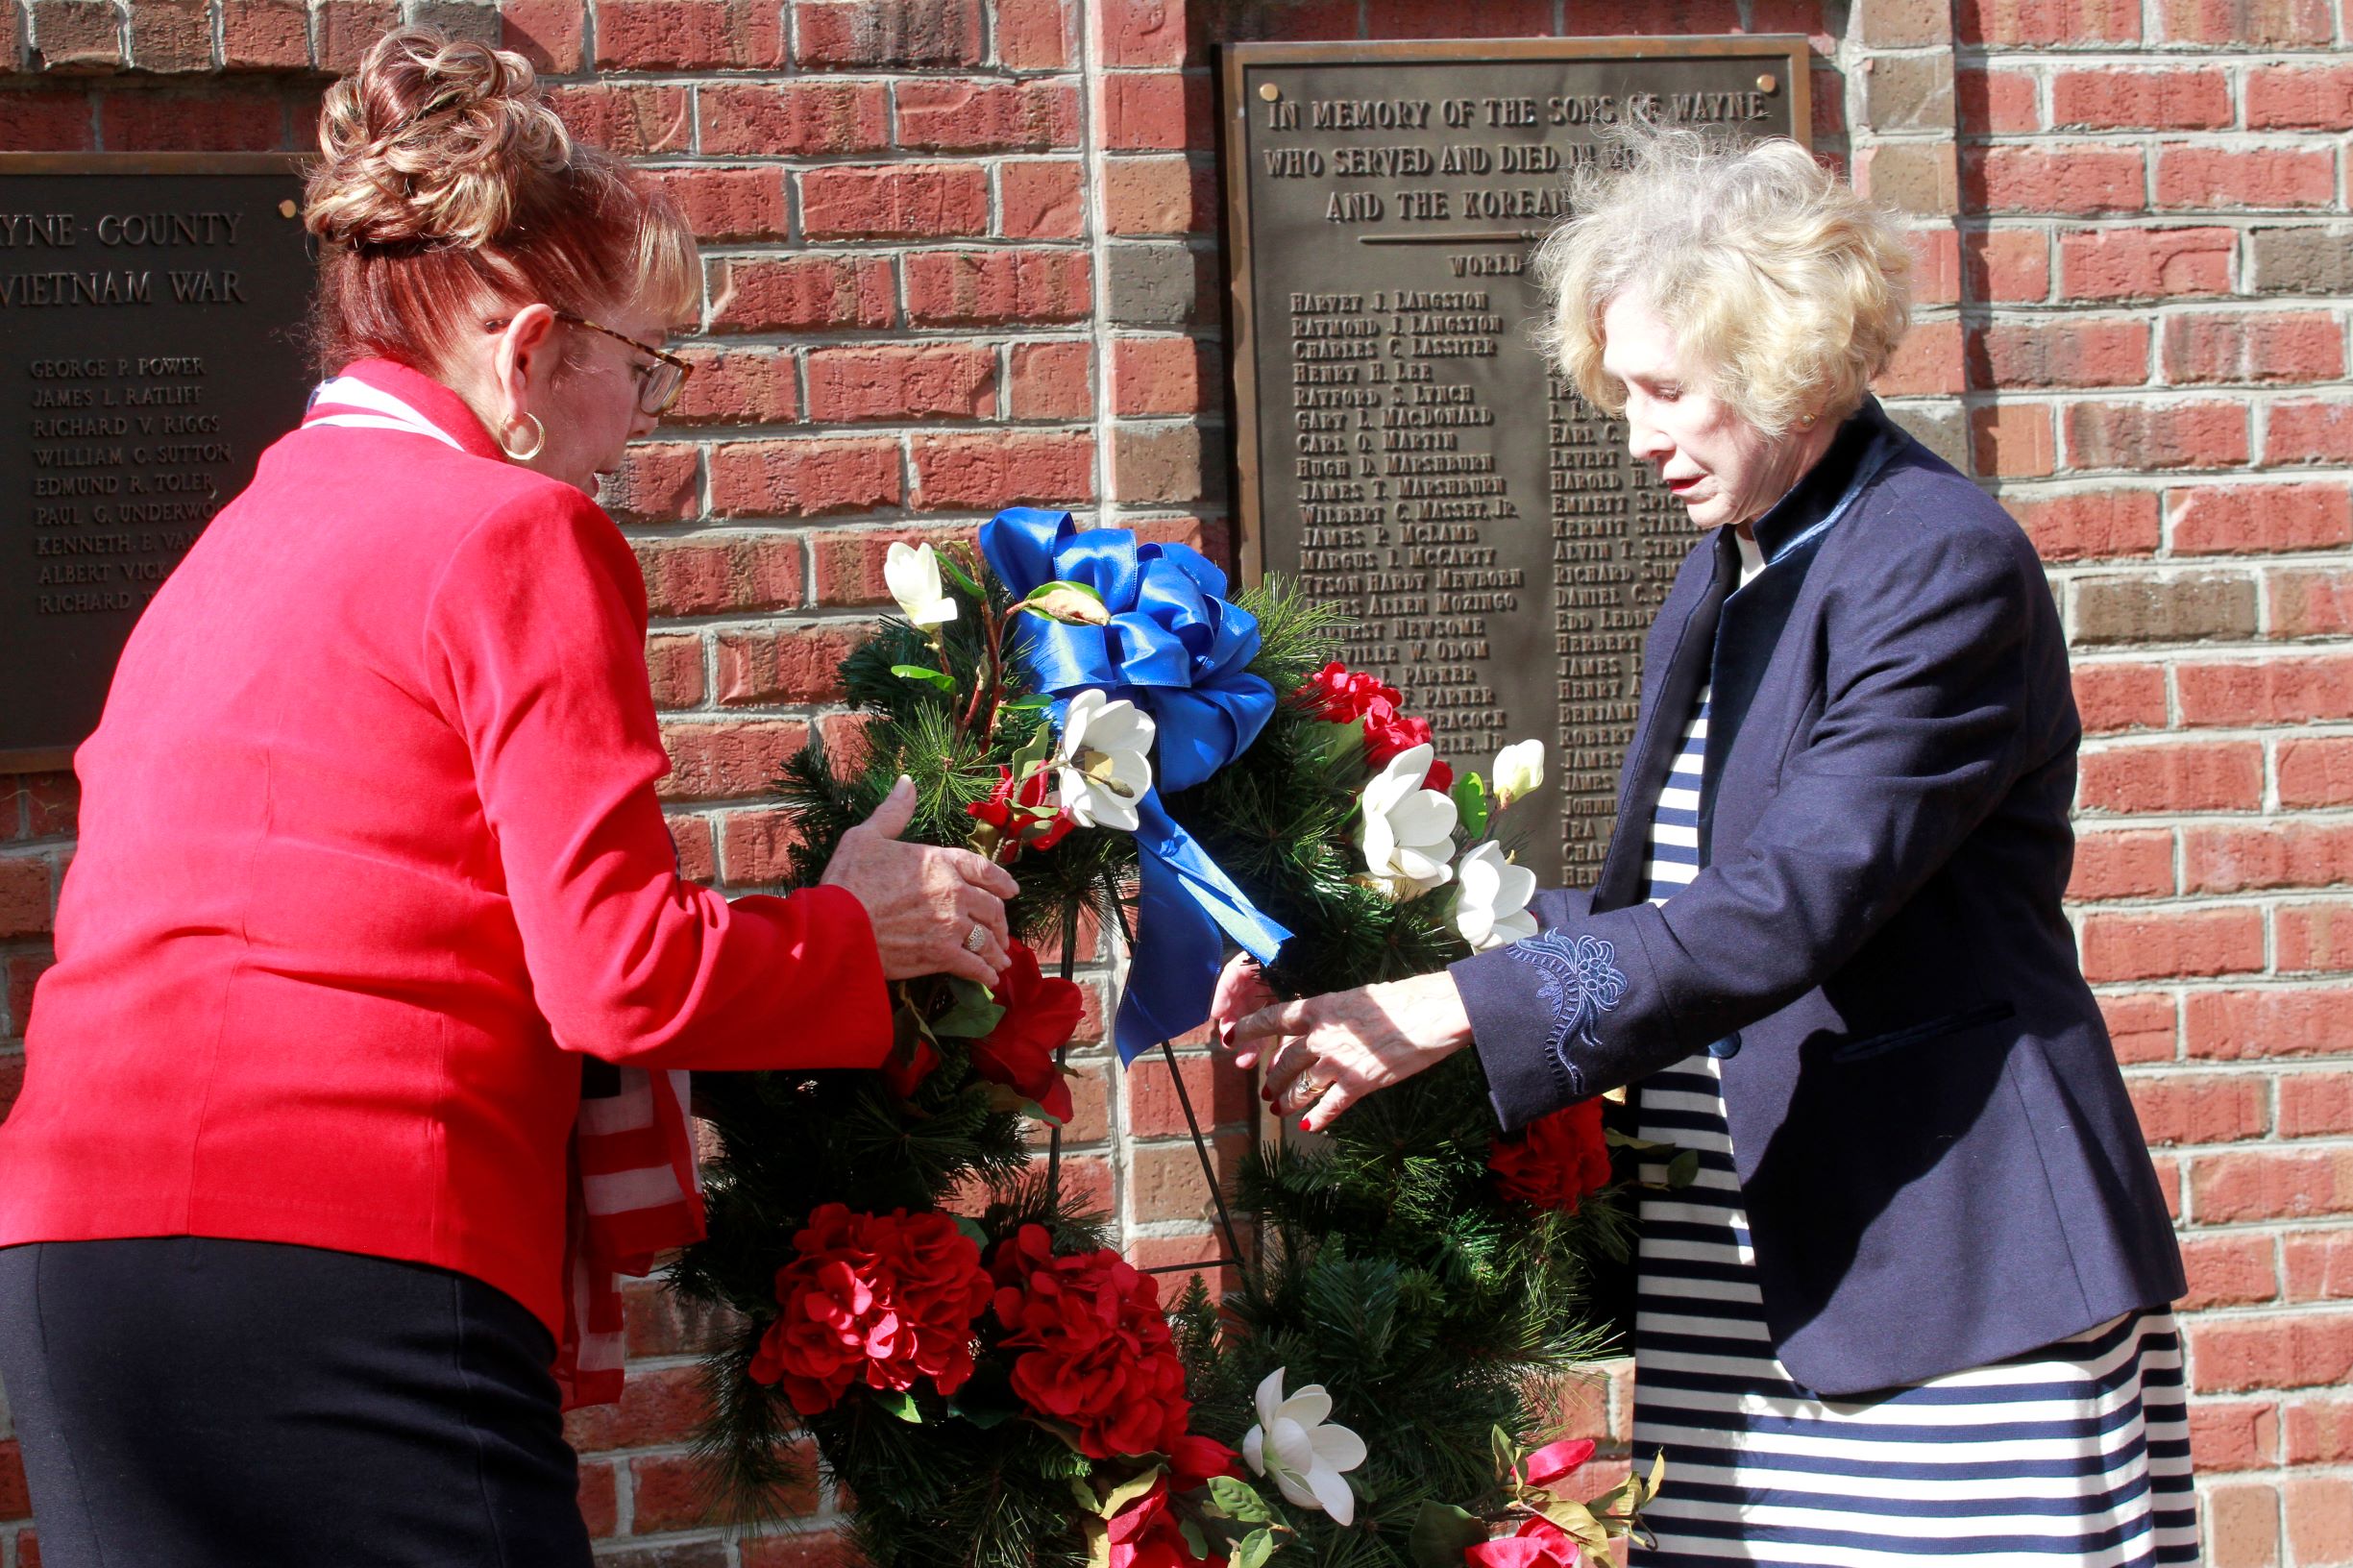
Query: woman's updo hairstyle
pixel 448 192
pixel 1783 288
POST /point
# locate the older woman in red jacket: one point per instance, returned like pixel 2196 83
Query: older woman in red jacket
pixel 371 863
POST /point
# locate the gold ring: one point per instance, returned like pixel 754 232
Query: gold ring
pixel 976 939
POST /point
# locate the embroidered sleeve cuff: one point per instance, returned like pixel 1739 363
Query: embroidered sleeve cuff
pixel 1529 1004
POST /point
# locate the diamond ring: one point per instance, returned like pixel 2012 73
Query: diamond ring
pixel 976 939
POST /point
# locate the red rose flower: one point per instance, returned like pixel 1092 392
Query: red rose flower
pixel 1146 1535
pixel 1340 696
pixel 1096 1352
pixel 1539 1544
pixel 1040 1014
pixel 1194 1460
pixel 1389 732
pixel 1558 1162
pixel 1021 829
pixel 885 1299
pixel 1556 1460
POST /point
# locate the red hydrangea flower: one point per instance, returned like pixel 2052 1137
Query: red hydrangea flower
pixel 883 1299
pixel 1040 1014
pixel 1341 695
pixel 1539 1544
pixel 1558 1162
pixel 1095 1353
pixel 1146 1535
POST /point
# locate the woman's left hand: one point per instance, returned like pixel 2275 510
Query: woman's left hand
pixel 1337 1049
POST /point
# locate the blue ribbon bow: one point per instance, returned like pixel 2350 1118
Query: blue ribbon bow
pixel 1177 649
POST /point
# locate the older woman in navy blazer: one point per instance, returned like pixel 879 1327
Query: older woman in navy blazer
pixel 1915 1304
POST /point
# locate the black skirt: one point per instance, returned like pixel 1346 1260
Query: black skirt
pixel 184 1402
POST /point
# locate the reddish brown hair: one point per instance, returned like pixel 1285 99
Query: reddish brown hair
pixel 449 193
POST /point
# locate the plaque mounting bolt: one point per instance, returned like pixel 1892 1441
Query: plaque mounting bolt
pixel 1269 92
pixel 1768 82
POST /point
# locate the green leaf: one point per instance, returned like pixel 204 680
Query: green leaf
pixel 1236 1499
pixel 1034 753
pixel 1471 804
pixel 956 572
pixel 987 1399
pixel 1059 585
pixel 1255 1549
pixel 1129 1490
pixel 1098 1541
pixel 971 1015
pixel 1683 1169
pixel 1195 1540
pixel 923 673
pixel 1442 1532
pixel 899 1403
pixel 1506 1452
pixel 1031 704
pixel 972 1228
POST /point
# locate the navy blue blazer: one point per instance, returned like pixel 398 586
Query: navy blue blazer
pixel 1940 1164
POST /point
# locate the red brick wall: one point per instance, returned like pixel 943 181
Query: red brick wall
pixel 963 253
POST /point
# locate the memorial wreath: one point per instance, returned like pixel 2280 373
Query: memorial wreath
pixel 987 1380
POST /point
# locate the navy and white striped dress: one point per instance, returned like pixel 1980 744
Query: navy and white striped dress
pixel 2077 1454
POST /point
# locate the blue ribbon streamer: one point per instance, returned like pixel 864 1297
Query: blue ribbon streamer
pixel 1180 652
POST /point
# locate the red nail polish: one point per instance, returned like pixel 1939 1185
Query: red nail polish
pixel 1302 1125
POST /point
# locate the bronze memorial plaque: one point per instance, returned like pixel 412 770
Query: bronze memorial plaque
pixel 151 345
pixel 1405 449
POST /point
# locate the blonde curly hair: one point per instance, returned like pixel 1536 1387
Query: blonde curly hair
pixel 1790 289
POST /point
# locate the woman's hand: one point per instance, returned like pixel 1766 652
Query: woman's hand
pixel 1337 1050
pixel 1241 991
pixel 925 903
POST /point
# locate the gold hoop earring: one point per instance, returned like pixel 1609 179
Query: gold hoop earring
pixel 539 439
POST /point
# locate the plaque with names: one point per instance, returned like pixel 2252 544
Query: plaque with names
pixel 1405 449
pixel 151 319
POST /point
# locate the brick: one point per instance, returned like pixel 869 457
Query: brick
pixel 2225 1270
pixel 849 565
pixel 473 19
pixel 1036 35
pixel 2247 23
pixel 1504 18
pixel 1153 112
pixel 2295 346
pixel 2315 772
pixel 246 119
pixel 1156 285
pixel 886 33
pixel 2233 1435
pixel 2223 775
pixel 171 36
pixel 2281 98
pixel 819 1547
pixel 2114 698
pixel 708 573
pixel 898 200
pixel 688 34
pixel 728 760
pixel 2319 432
pixel 2274 691
pixel 697 846
pixel 2194 176
pixel 1040 199
pixel 2090 524
pixel 2142 1026
pixel 675 1492
pixel 1050 380
pixel 2012 440
pixel 956 289
pixel 1165 1182
pixel 2152 435
pixel 24 895
pixel 2211 1108
pixel 2071 180
pixel 743 386
pixel 784 664
pixel 2007 265
pixel 1917 92
pixel 803 293
pixel 265 35
pixel 659 481
pixel 804 478
pixel 902 382
pixel 2255 855
pixel 77 34
pixel 2146 263
pixel 657 1405
pixel 2320 1267
pixel 2315 1104
pixel 2312 939
pixel 53 804
pixel 2114 100
pixel 600 1500
pixel 2319 1514
pixel 58 122
pixel 794 119
pixel 2273 1183
pixel 2315 602
pixel 1153 195
pixel 756 846
pixel 553 35
pixel 2319 1430
pixel 2302 258
pixel 663 1322
pixel 2127 865
pixel 2001 22
pixel 2272 1022
pixel 2171 944
pixel 1221 1096
pixel 2076 353
pixel 2242 1527
pixel 1922 178
pixel 344 28
pixel 986 116
pixel 1942 428
pixel 1936 265
pixel 1157 463
pixel 1006 469
pixel 1900 23
pixel 628 119
pixel 674 670
pixel 1928 363
pixel 2214 520
pixel 2188 608
pixel 24 971
pixel 1140 32
pixel 1156 376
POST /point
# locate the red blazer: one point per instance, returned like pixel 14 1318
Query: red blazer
pixel 370 853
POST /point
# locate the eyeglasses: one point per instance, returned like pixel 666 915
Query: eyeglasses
pixel 658 384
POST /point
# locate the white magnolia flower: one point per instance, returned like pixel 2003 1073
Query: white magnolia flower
pixel 911 573
pixel 1519 769
pixel 1493 909
pixel 1106 761
pixel 1408 831
pixel 1303 1451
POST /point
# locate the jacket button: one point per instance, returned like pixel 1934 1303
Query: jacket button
pixel 1729 1045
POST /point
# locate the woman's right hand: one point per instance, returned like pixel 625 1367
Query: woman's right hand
pixel 925 902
